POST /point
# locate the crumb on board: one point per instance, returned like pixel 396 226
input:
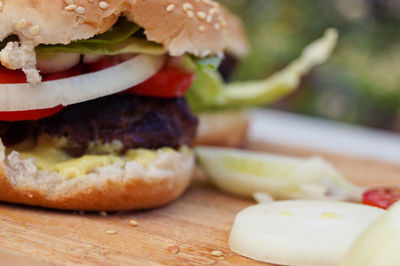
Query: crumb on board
pixel 216 253
pixel 173 249
pixel 111 232
pixel 133 223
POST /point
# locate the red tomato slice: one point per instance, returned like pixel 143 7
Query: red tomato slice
pixel 381 197
pixel 168 82
pixel 75 71
pixel 29 115
pixel 8 76
pixel 103 63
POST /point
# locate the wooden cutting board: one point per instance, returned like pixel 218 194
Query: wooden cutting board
pixel 186 232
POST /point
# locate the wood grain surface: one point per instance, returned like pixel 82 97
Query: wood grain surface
pixel 186 232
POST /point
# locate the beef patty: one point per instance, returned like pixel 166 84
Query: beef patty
pixel 132 121
pixel 135 121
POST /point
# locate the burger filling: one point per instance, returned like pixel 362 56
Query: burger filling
pixel 118 96
pixel 135 123
pixel 130 125
pixel 112 124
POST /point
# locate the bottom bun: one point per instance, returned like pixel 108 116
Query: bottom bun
pixel 115 187
pixel 227 129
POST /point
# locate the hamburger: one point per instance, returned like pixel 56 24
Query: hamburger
pixel 93 114
pixel 100 101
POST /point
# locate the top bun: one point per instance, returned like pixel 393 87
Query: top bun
pixel 198 27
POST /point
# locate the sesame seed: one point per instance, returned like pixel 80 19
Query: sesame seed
pixel 209 18
pixel 202 28
pixel 133 223
pixel 21 23
pixel 217 26
pixel 111 232
pixel 189 14
pixel 70 7
pixel 210 3
pixel 216 253
pixel 35 30
pixel 103 214
pixel 170 8
pixel 30 195
pixel 103 5
pixel 69 2
pixel 213 10
pixel 80 10
pixel 187 6
pixel 201 15
pixel 80 21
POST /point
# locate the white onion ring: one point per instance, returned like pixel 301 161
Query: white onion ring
pixel 300 232
pixel 22 97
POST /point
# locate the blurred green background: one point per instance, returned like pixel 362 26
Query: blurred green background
pixel 361 82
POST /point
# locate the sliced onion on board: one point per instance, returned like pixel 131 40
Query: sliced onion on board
pixel 379 244
pixel 300 232
pixel 244 172
pixel 21 97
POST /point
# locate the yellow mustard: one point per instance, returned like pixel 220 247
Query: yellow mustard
pixel 50 158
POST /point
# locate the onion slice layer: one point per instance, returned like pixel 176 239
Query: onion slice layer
pixel 21 97
pixel 301 233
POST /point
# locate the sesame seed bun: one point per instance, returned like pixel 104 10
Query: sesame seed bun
pixel 190 26
pixel 198 27
pixel 228 129
pixel 108 188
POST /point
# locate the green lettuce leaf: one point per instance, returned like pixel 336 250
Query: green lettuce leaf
pixel 118 40
pixel 209 92
pixel 130 45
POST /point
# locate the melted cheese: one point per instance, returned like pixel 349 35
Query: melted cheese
pixel 50 158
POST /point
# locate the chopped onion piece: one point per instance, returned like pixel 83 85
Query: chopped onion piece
pixel 300 232
pixel 57 62
pixel 20 97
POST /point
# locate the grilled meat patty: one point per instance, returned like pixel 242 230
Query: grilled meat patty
pixel 131 121
pixel 12 133
pixel 134 121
